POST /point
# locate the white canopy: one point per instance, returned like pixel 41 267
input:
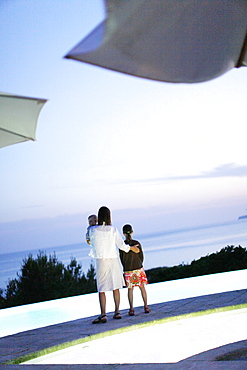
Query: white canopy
pixel 168 40
pixel 18 118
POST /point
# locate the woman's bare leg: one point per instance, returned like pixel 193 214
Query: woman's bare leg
pixel 116 297
pixel 102 302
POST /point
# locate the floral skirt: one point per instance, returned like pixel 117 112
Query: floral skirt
pixel 135 278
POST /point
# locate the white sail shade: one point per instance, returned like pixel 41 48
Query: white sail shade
pixel 18 118
pixel 184 41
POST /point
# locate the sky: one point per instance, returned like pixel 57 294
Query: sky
pixel 160 155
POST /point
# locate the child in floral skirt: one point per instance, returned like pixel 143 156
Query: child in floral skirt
pixel 133 269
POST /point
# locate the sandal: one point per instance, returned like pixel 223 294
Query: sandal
pixel 146 309
pixel 131 312
pixel 117 316
pixel 100 320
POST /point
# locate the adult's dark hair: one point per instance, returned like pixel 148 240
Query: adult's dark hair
pixel 104 216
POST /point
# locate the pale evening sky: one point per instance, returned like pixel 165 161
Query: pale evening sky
pixel 159 155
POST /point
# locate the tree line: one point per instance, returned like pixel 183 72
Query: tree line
pixel 229 258
pixel 45 278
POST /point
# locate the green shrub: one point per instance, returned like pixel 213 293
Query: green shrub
pixel 229 258
pixel 44 278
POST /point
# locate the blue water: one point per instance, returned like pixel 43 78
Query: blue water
pixel 168 248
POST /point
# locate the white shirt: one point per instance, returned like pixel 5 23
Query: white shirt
pixel 105 240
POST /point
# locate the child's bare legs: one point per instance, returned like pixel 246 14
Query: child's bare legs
pixel 130 298
pixel 144 297
pixel 144 294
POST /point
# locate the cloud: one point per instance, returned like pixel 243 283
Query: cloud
pixel 225 170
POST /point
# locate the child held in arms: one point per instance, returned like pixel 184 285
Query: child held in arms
pixel 133 269
pixel 92 221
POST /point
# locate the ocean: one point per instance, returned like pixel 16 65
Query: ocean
pixel 168 248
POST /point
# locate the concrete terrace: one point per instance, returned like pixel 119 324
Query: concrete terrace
pixel 229 337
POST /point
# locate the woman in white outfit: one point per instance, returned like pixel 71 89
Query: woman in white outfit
pixel 105 241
